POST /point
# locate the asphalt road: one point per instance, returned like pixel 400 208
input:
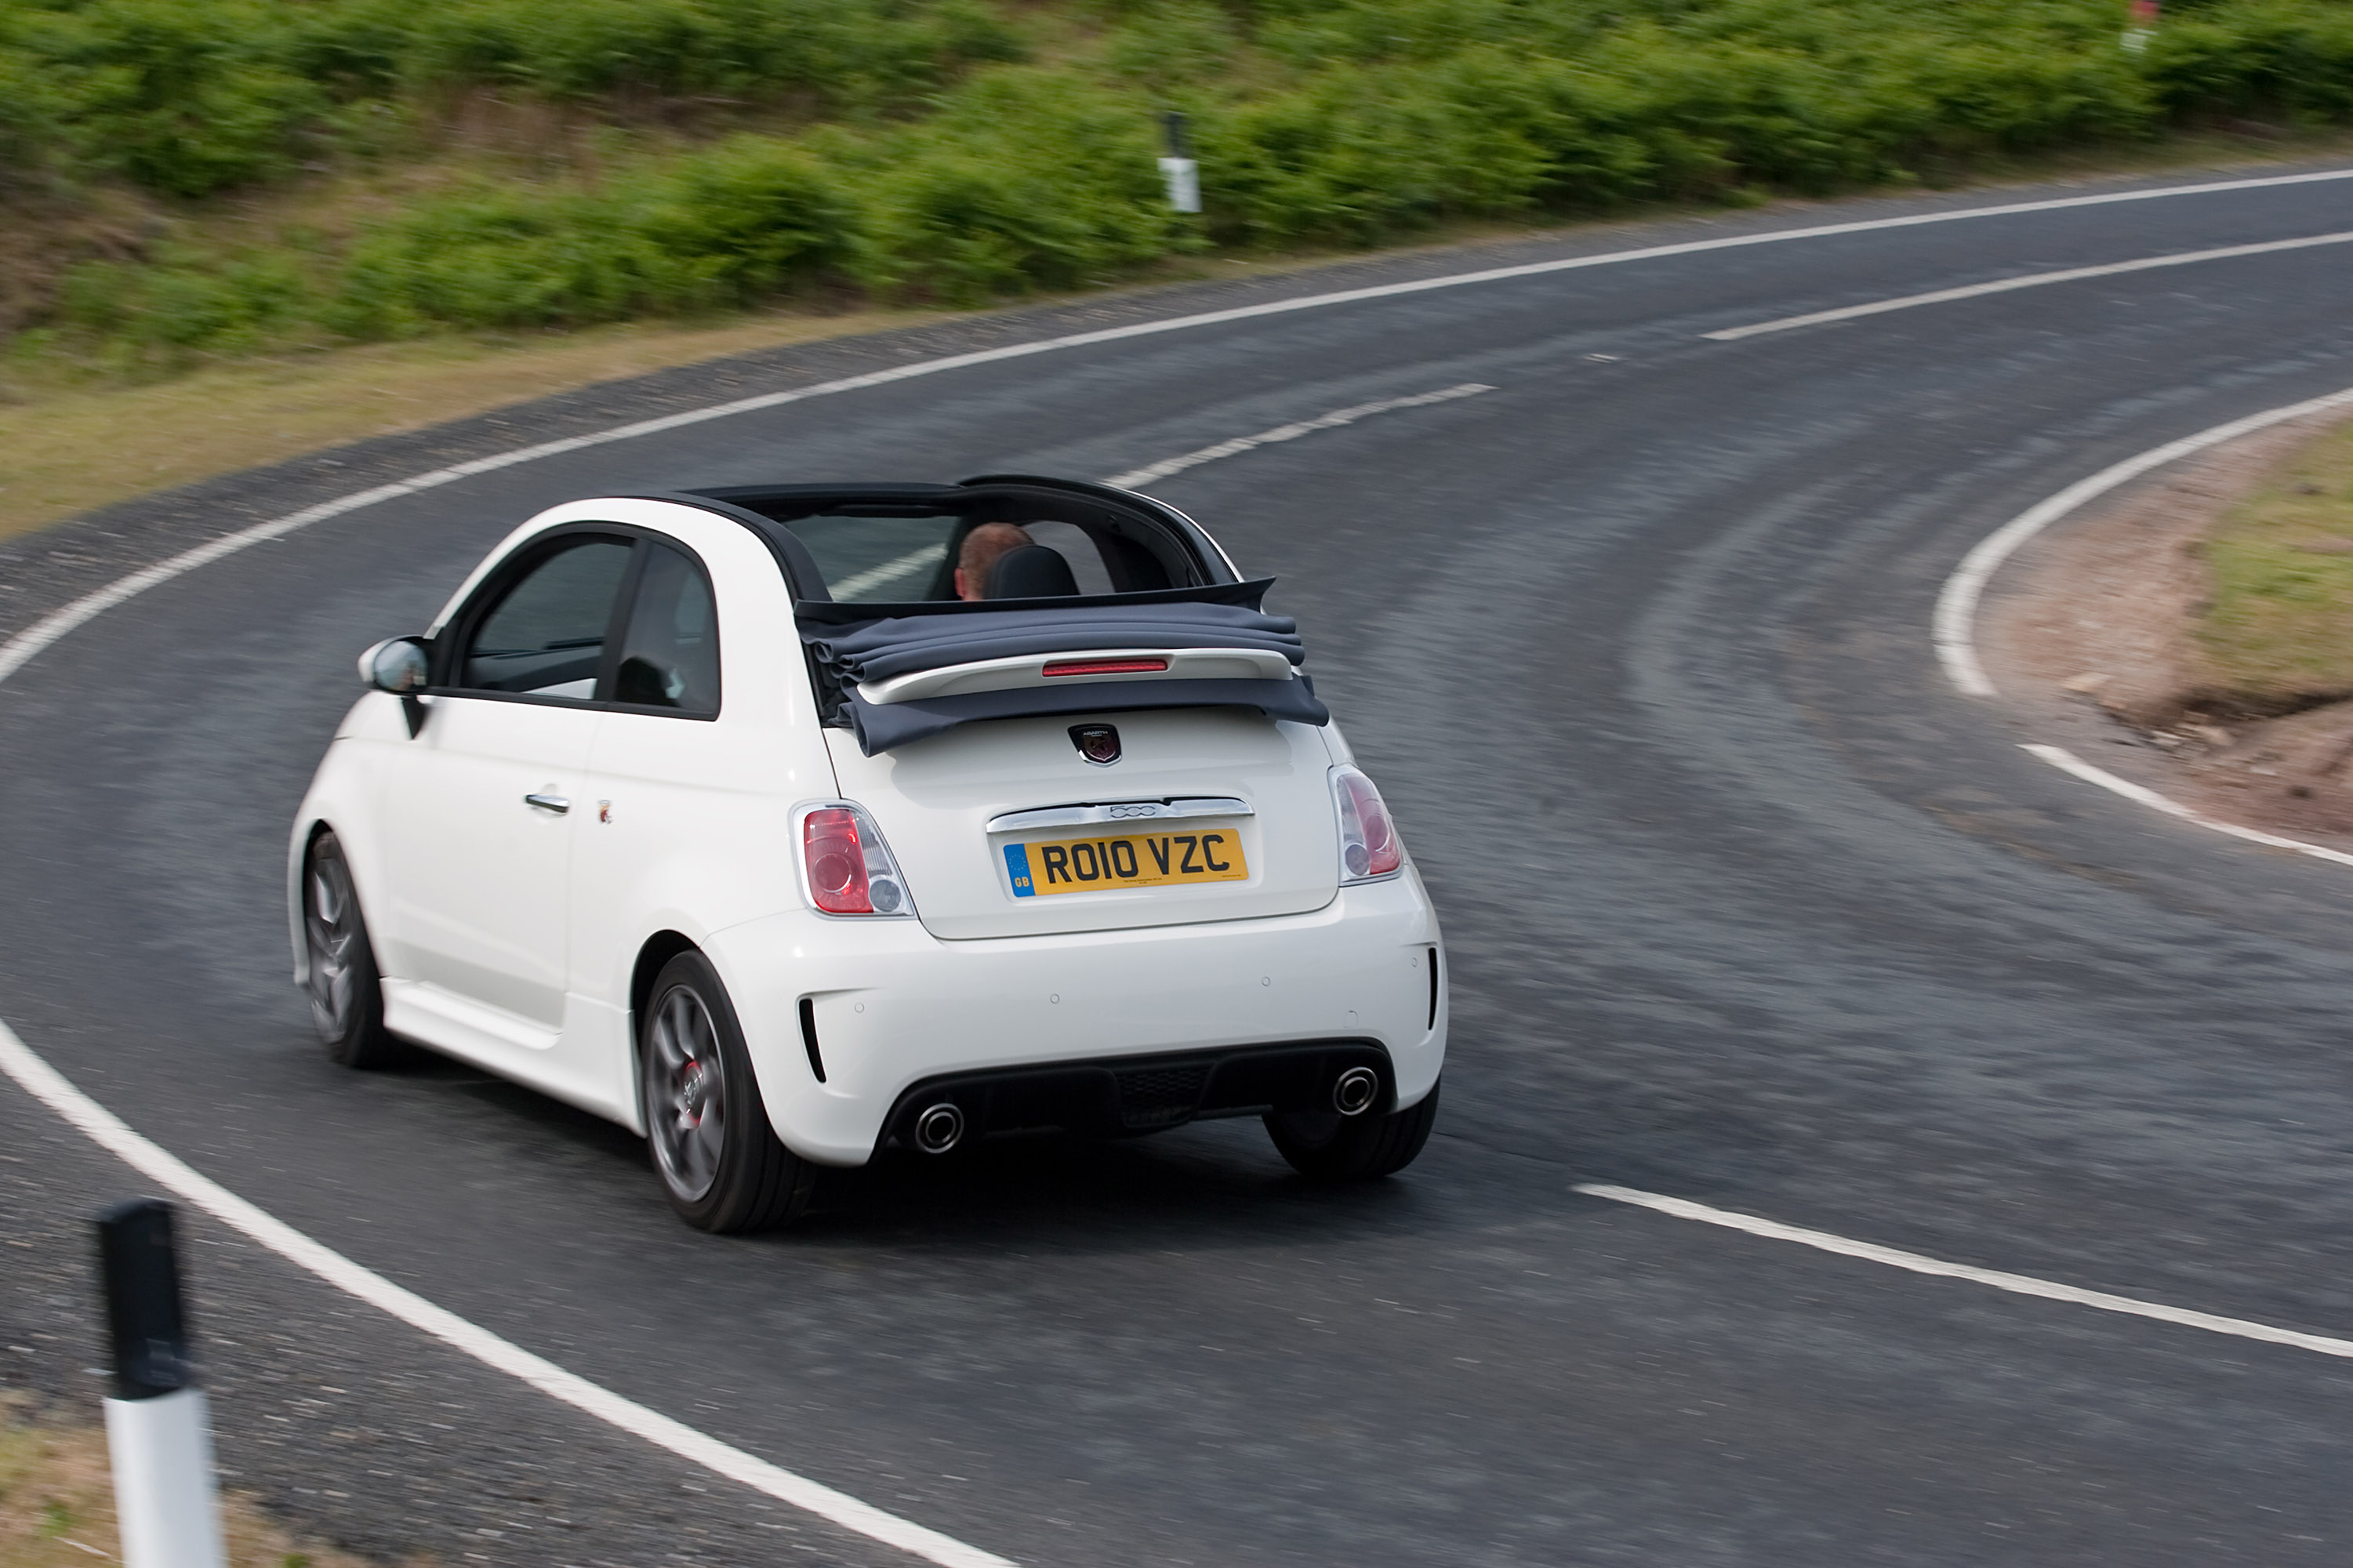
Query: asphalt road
pixel 1744 904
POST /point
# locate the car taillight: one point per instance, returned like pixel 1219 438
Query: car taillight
pixel 847 869
pixel 1368 840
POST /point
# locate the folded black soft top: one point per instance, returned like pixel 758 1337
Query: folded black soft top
pixel 852 644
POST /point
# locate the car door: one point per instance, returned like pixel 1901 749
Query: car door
pixel 479 810
pixel 688 828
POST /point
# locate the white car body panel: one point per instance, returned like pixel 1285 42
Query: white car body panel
pixel 934 800
pixel 895 1005
pixel 510 937
pixel 479 908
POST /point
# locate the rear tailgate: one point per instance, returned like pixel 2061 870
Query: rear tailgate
pixel 934 800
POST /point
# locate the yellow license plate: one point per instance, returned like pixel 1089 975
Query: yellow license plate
pixel 1125 860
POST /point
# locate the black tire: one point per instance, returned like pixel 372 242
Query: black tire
pixel 344 985
pixel 706 1126
pixel 1330 1147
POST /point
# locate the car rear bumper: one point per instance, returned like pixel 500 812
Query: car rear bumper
pixel 1122 1096
pixel 894 1007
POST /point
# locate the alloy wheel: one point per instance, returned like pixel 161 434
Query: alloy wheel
pixel 686 1092
pixel 329 928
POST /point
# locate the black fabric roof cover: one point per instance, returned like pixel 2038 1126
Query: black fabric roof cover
pixel 912 637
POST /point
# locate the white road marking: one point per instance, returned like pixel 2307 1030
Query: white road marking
pixel 1957 606
pixel 31 641
pixel 2066 762
pixel 2032 280
pixel 1956 602
pixel 2017 1284
pixel 45 1084
pixel 38 1078
pixel 1137 479
pixel 862 582
pixel 858 584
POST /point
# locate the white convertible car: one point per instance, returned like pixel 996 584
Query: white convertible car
pixel 790 824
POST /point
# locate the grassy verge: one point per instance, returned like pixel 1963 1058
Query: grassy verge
pixel 2277 630
pixel 187 179
pixel 71 442
pixel 56 1504
pixel 66 450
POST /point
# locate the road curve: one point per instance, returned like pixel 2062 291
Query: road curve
pixel 1746 906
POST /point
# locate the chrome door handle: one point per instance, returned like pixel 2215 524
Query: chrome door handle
pixel 555 803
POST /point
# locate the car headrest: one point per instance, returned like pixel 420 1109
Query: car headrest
pixel 1031 572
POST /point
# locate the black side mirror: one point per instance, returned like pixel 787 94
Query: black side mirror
pixel 401 666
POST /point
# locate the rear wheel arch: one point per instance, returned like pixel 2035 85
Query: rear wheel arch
pixel 652 953
pixel 707 1128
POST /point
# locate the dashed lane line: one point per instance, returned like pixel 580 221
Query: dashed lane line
pixel 2016 1284
pixel 2031 280
pixel 21 648
pixel 860 583
pixel 1137 479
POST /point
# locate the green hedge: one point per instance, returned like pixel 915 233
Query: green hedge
pixel 932 164
pixel 188 97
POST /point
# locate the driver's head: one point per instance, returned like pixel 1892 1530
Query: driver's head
pixel 981 548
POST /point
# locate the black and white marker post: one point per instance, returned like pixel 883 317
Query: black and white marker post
pixel 158 1432
pixel 1182 175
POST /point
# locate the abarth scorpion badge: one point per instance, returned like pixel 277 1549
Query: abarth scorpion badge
pixel 1099 743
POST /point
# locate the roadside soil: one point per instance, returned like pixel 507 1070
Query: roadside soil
pixel 56 1501
pixel 2090 633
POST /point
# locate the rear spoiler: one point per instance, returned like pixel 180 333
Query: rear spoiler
pixel 900 676
pixel 1084 667
pixel 881 727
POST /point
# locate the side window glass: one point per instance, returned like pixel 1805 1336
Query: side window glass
pixel 669 655
pixel 546 636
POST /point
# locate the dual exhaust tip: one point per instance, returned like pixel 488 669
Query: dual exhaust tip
pixel 939 1128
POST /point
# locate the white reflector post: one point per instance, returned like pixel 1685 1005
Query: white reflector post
pixel 162 1449
pixel 158 1432
pixel 1177 170
pixel 1183 179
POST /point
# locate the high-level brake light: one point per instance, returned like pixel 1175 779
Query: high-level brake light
pixel 846 866
pixel 1150 664
pixel 1369 848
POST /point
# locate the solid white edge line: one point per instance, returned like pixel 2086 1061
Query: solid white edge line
pixel 1955 626
pixel 17 650
pixel 2066 762
pixel 2031 280
pixel 49 1087
pixel 2017 1284
pixel 30 1070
